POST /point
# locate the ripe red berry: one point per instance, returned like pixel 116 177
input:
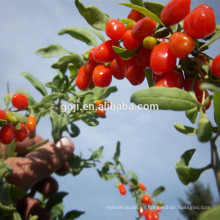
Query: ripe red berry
pixel 102 76
pixel 104 52
pixel 129 41
pixel 122 189
pixel 175 11
pixel 100 111
pixel 32 122
pixel 156 77
pixel 89 67
pixel 133 72
pixel 3 115
pixel 158 209
pixel 21 134
pixel 148 214
pixel 7 134
pixel 115 29
pixel 181 44
pixel 146 199
pixel 162 59
pixel 20 101
pixel 155 215
pixel 143 28
pixel 215 68
pixel 141 211
pixel 143 57
pixel 117 69
pixel 83 80
pixel 142 186
pixel 172 79
pixel 135 15
pixel 200 23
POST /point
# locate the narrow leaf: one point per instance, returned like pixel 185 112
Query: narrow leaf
pixel 66 60
pixel 97 154
pixel 145 12
pixel 185 173
pixel 117 153
pixel 94 16
pixel 80 34
pixel 58 124
pixel 97 33
pixel 124 53
pixel 166 98
pixel 217 108
pixel 154 7
pixel 35 82
pixel 71 215
pixel 191 114
pixel 185 129
pixel 51 51
pixel 55 199
pixel 158 191
pixel 7 99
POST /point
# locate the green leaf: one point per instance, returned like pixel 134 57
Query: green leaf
pixel 57 211
pixel 35 82
pixel 134 178
pixel 217 108
pixel 117 153
pixel 58 124
pixel 99 93
pixel 186 174
pixel 106 176
pixel 71 215
pixel 161 33
pixel 20 117
pixel 97 33
pixel 213 213
pixel 48 100
pixel 90 120
pixel 74 130
pixel 137 2
pixel 26 93
pixel 16 192
pixel 4 194
pixel 154 7
pixel 51 51
pixel 210 86
pixel 97 154
pixel 158 191
pixel 214 37
pixel 145 12
pixel 166 98
pixel 10 149
pixel 33 217
pixel 7 99
pixel 73 71
pixel 66 60
pixel 204 131
pixel 5 169
pixel 126 20
pixel 185 129
pixel 149 76
pixel 94 16
pixel 80 34
pixel 55 199
pixel 191 114
pixel 124 53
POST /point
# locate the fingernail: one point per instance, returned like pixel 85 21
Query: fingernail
pixel 66 145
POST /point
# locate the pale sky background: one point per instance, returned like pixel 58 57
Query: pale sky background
pixel 150 146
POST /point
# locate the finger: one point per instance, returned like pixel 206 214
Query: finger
pixel 21 147
pixel 40 163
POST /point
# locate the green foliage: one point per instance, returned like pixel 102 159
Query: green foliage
pixel 145 12
pixel 166 98
pixel 124 53
pixel 214 214
pixel 185 129
pixel 158 191
pixel 51 51
pixel 80 34
pixel 154 7
pixel 94 16
pixel 184 172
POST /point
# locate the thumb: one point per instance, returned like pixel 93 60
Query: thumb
pixel 40 163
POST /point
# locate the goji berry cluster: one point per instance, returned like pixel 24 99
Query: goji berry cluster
pixel 137 34
pixel 11 127
pixel 146 201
